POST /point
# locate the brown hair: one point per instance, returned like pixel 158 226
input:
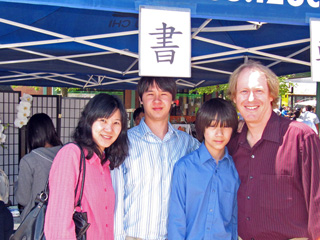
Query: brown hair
pixel 272 80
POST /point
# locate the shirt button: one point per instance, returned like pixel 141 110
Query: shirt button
pixel 248 219
pixel 105 189
pixel 252 238
pixel 252 156
pixel 106 225
pixel 211 210
pixel 248 197
pixel 106 207
pixel 251 177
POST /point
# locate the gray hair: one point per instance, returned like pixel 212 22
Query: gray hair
pixel 4 187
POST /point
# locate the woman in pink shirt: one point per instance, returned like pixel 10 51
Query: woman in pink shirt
pixel 102 133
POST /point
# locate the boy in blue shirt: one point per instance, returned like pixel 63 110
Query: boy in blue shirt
pixel 203 201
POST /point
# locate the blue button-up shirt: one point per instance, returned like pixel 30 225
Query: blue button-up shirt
pixel 203 201
pixel 142 183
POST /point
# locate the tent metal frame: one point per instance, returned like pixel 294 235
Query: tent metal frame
pixel 103 80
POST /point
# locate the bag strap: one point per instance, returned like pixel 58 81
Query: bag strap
pixel 43 196
pixel 81 167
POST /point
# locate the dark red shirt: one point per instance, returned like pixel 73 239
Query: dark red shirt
pixel 279 195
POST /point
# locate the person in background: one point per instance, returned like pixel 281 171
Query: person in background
pixel 285 112
pixel 175 110
pixel 290 112
pixel 43 144
pixel 138 114
pixel 296 117
pixel 310 116
pixel 142 183
pixel 102 134
pixel 277 160
pixel 296 114
pixel 6 218
pixel 203 200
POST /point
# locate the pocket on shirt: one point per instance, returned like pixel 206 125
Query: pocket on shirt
pixel 276 191
pixel 226 205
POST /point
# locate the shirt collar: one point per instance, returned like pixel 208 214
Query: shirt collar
pixel 96 160
pixel 172 130
pixel 206 156
pixel 144 130
pixel 271 131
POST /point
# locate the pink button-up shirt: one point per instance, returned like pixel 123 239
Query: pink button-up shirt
pixel 98 196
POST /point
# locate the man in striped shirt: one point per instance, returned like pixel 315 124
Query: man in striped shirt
pixel 278 161
pixel 142 182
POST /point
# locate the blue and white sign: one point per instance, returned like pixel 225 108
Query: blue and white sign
pixel 164 42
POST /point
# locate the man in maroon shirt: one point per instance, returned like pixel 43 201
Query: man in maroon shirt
pixel 277 160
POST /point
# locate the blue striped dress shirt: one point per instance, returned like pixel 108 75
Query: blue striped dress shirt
pixel 142 183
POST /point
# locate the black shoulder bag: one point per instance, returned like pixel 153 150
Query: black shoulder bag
pixel 32 227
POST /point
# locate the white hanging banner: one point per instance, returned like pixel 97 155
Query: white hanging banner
pixel 315 48
pixel 164 42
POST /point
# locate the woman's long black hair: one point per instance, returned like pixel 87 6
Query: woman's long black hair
pixel 40 130
pixel 103 106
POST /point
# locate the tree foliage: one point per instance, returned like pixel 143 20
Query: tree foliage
pixel 284 87
pixel 210 89
pixel 34 87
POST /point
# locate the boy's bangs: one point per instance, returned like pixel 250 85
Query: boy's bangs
pixel 220 121
pixel 215 123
